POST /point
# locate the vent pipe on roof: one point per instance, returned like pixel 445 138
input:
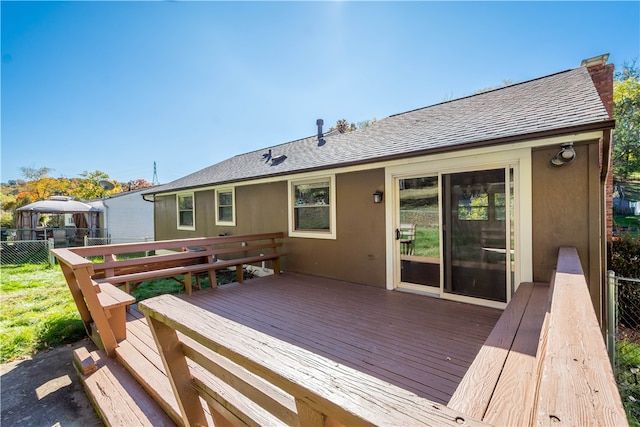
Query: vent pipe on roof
pixel 321 140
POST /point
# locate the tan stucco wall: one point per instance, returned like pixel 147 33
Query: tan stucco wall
pixel 259 208
pixel 357 255
pixel 566 212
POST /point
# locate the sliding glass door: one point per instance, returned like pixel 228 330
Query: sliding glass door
pixel 454 234
pixel 418 231
pixel 477 241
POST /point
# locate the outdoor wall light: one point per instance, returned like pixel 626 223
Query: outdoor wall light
pixel 565 155
pixel 377 197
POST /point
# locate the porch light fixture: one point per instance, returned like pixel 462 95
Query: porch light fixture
pixel 565 155
pixel 377 197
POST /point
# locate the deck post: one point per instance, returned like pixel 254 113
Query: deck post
pixel 307 416
pixel 178 372
pixel 76 293
pixel 107 337
pixel 51 245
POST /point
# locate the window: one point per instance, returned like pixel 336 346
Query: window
pixel 225 207
pixel 186 212
pixel 312 212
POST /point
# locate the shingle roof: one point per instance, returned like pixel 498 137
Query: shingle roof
pixel 556 102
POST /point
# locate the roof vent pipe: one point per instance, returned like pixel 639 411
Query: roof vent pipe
pixel 321 140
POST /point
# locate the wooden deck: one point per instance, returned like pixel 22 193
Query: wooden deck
pixel 421 344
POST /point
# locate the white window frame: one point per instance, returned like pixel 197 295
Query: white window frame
pixel 193 210
pixel 313 234
pixel 218 191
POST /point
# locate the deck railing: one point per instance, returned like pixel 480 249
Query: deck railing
pixel 250 378
pixel 545 361
pixel 94 272
pixel 568 379
pixel 575 381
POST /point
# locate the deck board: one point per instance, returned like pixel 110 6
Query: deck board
pixel 422 344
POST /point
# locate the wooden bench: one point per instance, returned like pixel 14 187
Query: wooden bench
pixel 249 378
pixel 182 257
pixel 101 306
pixel 545 361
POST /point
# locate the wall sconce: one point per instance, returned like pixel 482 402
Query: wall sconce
pixel 565 155
pixel 377 197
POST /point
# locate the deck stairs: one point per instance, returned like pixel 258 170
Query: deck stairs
pixel 117 397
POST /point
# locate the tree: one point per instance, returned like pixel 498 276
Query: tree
pixel 505 83
pixel 342 125
pixel 626 110
pixel 33 174
pixel 135 184
pixel 7 204
pixel 88 186
pixel 39 184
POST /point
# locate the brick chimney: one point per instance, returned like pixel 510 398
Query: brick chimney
pixel 602 76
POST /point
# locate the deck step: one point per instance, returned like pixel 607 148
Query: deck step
pixel 149 377
pixel 115 394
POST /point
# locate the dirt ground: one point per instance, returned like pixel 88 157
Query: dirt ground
pixel 45 391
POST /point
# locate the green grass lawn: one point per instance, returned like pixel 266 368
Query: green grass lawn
pixel 631 187
pixel 628 355
pixel 628 224
pixel 427 242
pixel 626 220
pixel 37 310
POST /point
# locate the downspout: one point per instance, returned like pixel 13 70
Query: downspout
pixel 606 155
pixel 604 240
pixel 155 231
pixel 105 219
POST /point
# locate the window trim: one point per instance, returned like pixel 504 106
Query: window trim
pixel 231 190
pixel 331 234
pixel 193 210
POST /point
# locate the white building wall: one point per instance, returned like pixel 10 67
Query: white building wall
pixel 127 217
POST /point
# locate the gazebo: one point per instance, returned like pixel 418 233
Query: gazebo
pixel 85 217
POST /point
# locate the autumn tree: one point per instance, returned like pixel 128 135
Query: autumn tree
pixel 626 110
pixel 344 126
pixel 135 184
pixel 39 185
pixel 88 186
pixel 7 207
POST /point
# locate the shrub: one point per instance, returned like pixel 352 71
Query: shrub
pixel 624 260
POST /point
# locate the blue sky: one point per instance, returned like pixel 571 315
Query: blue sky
pixel 117 86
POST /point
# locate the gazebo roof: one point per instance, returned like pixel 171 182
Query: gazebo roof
pixel 58 205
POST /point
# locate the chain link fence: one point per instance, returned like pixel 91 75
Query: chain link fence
pixel 18 252
pixel 624 340
pixel 25 252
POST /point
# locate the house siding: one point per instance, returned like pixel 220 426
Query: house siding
pixel 566 210
pixel 356 255
pixel 127 217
